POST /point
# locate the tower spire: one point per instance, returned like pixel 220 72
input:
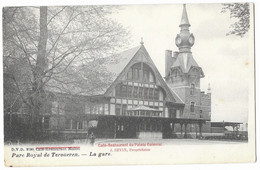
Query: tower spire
pixel 184 18
pixel 184 40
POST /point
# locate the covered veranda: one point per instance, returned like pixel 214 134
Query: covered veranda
pixel 127 126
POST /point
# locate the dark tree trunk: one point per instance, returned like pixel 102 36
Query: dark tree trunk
pixel 38 96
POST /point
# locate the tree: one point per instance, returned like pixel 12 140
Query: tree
pixel 241 12
pixel 54 50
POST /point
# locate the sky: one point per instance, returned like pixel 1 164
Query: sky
pixel 224 59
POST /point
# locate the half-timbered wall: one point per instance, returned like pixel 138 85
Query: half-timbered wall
pixel 137 87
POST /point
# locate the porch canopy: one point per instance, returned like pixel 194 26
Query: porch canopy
pixel 141 110
pixel 224 124
pixel 234 125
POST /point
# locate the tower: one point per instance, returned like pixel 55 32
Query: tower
pixel 185 39
pixel 183 74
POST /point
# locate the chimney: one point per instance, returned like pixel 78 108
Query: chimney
pixel 169 60
pixel 175 55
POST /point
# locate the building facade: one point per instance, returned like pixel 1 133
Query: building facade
pixel 139 102
pixel 183 74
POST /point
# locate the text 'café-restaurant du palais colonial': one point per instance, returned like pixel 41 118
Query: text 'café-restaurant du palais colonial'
pixel 139 103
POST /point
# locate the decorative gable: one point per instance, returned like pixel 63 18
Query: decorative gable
pixel 141 56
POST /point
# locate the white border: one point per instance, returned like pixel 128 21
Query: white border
pixel 80 2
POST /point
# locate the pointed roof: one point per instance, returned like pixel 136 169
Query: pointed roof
pixel 175 95
pixel 120 61
pixel 127 58
pixel 186 61
pixel 111 66
pixel 184 18
pixel 115 68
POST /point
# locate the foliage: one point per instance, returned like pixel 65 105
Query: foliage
pixel 241 12
pixel 56 49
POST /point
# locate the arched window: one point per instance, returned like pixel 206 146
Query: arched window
pixel 141 72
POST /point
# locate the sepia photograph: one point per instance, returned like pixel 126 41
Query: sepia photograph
pixel 110 84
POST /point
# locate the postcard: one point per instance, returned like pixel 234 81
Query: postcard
pixel 128 84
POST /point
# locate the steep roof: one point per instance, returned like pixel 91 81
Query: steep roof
pixel 114 67
pixel 120 61
pixel 184 18
pixel 107 69
pixel 186 61
pixel 175 95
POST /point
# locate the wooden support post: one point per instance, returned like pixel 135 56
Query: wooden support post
pixel 185 130
pixel 115 130
pixel 200 132
pixel 174 135
pixel 196 131
pixel 181 128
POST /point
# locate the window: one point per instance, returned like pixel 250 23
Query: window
pixel 124 109
pixel 192 107
pixel 151 77
pixel 129 91
pixel 146 75
pixel 192 89
pixel 118 109
pixel 130 74
pixel 200 111
pixel 80 125
pixel 156 94
pixel 100 109
pixel 136 74
pixel 118 90
pixel 135 92
pixel 140 74
pixel 123 91
pixel 151 93
pixel 94 109
pixel 146 93
pixel 140 92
